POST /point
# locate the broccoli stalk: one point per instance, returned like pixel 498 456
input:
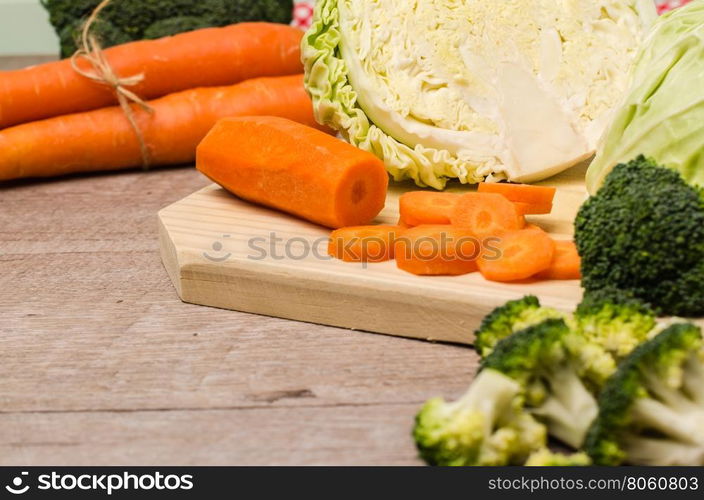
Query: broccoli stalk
pixel 569 408
pixel 547 458
pixel 484 427
pixel 509 318
pixel 651 412
pixel 553 378
pixel 653 451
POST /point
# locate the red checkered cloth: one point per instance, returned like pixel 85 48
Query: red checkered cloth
pixel 302 13
pixel 303 10
pixel 667 5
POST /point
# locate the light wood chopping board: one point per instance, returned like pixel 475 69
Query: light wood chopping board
pixel 223 252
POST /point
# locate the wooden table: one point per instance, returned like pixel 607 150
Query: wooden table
pixel 102 364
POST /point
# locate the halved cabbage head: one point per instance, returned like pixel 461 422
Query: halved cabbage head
pixel 469 89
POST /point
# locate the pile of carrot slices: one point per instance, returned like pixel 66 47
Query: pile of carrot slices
pixel 454 234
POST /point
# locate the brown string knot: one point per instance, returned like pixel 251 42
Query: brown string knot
pixel 102 73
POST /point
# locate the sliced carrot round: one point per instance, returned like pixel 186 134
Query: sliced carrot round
pixel 363 243
pixel 565 263
pixel 524 193
pixel 486 214
pixel 516 255
pixel 427 207
pixel 437 250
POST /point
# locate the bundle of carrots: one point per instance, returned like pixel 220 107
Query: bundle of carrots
pixel 54 120
pixel 452 234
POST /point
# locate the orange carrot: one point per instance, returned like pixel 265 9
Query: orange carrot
pixel 103 139
pixel 486 214
pixel 565 263
pixel 402 224
pixel 437 250
pixel 516 255
pixel 427 207
pixel 297 169
pixel 524 193
pixel 533 209
pixel 202 58
pixel 364 243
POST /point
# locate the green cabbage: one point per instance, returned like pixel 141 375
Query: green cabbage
pixel 663 114
pixel 472 89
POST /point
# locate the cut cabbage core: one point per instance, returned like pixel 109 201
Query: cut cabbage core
pixel 516 89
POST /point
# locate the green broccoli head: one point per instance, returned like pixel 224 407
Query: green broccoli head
pixel 174 25
pixel 651 412
pixel 63 13
pixel 138 19
pixel 509 318
pixel 105 31
pixel 547 361
pixel 548 458
pixel 615 320
pixel 643 232
pixel 486 426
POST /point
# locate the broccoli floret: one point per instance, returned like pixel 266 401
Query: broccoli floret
pixel 548 458
pixel 615 320
pixel 545 359
pixel 651 412
pixel 643 232
pixel 484 427
pixel 138 19
pixel 509 318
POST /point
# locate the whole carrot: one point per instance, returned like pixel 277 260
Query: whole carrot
pixel 202 58
pixel 103 139
pixel 296 169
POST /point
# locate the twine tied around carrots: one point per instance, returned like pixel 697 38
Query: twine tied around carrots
pixel 102 73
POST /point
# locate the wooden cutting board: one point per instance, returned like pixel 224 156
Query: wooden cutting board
pixel 223 252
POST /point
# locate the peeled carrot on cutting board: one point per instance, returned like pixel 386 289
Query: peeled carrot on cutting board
pixel 486 214
pixel 202 58
pixel 104 140
pixel 427 207
pixel 437 250
pixel 364 243
pixel 297 169
pixel 565 263
pixel 516 255
pixel 524 193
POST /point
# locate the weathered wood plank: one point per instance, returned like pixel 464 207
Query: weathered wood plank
pixel 361 435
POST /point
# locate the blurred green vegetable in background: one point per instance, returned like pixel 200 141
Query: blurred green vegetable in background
pixel 127 20
pixel 663 114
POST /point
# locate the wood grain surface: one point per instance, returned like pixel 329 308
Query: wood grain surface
pixel 103 364
pixel 224 252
